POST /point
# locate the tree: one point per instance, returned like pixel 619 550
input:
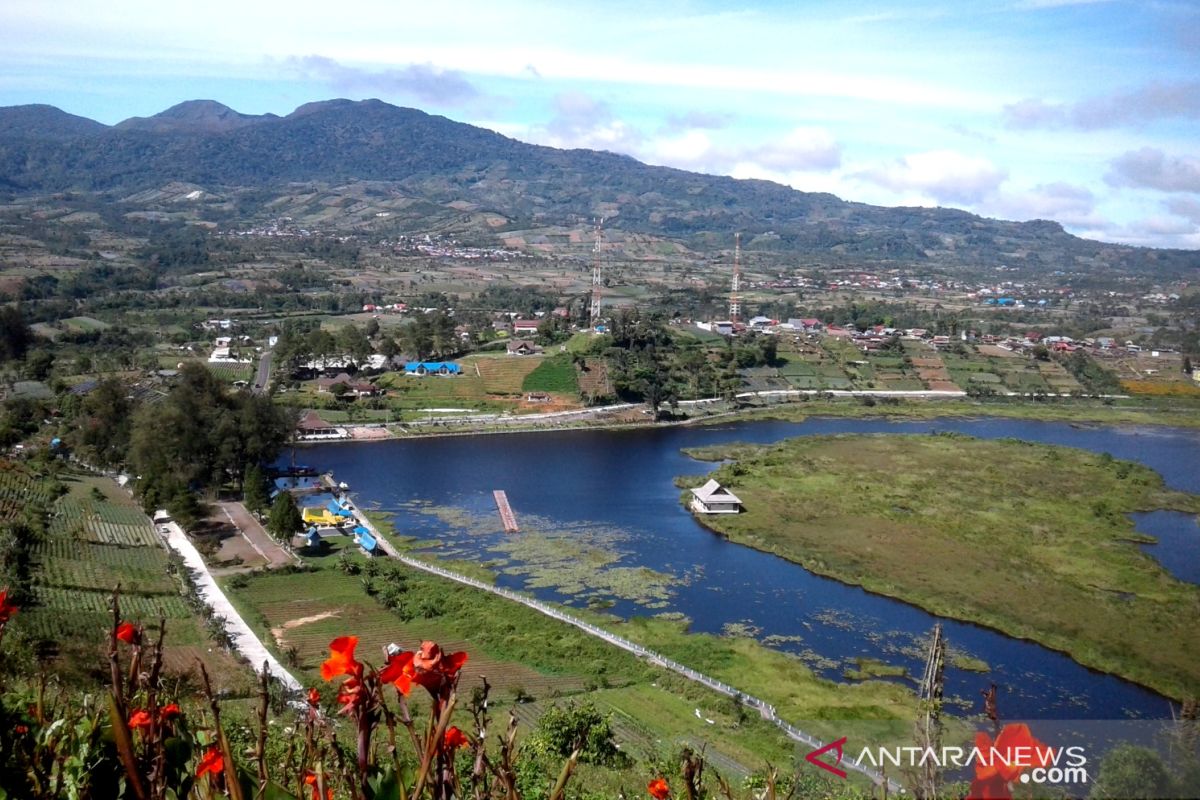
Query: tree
pixel 560 731
pixel 102 428
pixel 1128 772
pixel 254 489
pixel 38 364
pixel 354 343
pixel 200 436
pixel 15 335
pixel 285 519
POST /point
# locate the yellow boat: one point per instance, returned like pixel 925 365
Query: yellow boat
pixel 320 516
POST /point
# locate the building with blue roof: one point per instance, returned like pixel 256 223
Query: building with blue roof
pixel 432 368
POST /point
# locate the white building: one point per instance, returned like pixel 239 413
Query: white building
pixel 713 498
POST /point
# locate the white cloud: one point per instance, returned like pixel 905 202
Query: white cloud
pixel 582 121
pixel 944 175
pixel 422 81
pixel 1151 168
pixel 1185 207
pixel 684 141
pixel 1073 206
pixel 1154 101
pixel 1040 4
pixel 802 149
pixel 1154 231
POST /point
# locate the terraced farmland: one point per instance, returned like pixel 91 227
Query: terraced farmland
pixel 95 539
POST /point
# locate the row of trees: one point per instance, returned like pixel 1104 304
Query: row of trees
pixel 195 440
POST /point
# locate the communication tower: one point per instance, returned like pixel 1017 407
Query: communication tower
pixel 597 280
pixel 735 298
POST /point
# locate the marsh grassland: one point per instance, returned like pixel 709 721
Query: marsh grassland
pixel 1032 540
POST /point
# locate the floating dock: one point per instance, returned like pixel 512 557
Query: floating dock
pixel 506 513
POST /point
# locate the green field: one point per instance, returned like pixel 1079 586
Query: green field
pixel 555 374
pixel 503 374
pixel 1032 540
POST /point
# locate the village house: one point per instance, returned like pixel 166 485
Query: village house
pixel 522 347
pixel 713 498
pixel 806 325
pixel 422 368
pixel 353 387
pixel 312 427
pixel 525 326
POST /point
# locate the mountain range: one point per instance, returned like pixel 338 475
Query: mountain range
pixel 45 150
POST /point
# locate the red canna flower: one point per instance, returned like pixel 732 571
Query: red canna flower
pixel 1014 751
pixel 341 659
pixel 428 666
pixel 454 738
pixel 140 718
pixel 129 633
pixel 993 788
pixel 7 607
pixel 169 711
pixel 659 789
pixel 310 779
pixel 430 658
pixel 20 729
pixel 399 671
pixel 314 697
pixel 212 761
pixel 350 694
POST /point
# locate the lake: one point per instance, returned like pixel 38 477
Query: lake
pixel 603 503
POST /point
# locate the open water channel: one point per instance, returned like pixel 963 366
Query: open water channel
pixel 605 501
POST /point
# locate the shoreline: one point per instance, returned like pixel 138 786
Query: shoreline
pixel 800 411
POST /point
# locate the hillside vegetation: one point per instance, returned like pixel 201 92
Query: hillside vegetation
pixel 511 185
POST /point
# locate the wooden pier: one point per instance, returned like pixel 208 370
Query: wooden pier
pixel 506 512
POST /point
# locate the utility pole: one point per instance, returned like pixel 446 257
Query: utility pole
pixel 928 728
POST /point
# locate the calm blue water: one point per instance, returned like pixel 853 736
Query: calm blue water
pixel 622 480
pixel 1178 547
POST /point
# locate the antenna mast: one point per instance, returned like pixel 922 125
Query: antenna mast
pixel 597 283
pixel 735 299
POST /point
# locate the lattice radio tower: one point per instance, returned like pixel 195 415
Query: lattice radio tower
pixel 597 281
pixel 735 298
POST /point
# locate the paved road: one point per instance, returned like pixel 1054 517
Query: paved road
pixel 244 639
pixel 256 535
pixel 262 379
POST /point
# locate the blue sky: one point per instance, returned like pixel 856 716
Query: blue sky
pixel 1082 111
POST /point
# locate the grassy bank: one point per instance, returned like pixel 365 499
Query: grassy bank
pixel 1032 540
pixel 1183 414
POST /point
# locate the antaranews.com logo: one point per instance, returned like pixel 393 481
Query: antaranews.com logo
pixel 1014 757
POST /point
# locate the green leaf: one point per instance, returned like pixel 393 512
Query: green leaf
pixel 276 792
pixel 383 785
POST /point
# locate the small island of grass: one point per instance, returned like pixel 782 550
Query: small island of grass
pixel 1032 540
